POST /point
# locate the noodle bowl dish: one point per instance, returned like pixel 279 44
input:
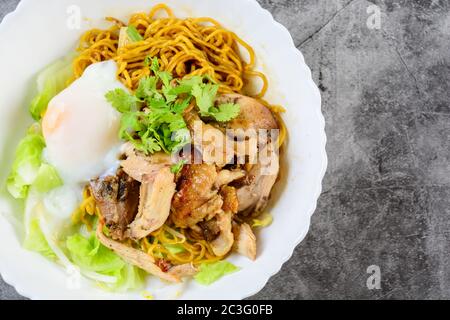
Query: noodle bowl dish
pixel 156 157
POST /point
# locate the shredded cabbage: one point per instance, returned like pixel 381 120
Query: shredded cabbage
pixel 51 81
pixel 211 272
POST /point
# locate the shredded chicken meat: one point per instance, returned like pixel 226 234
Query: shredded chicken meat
pixel 253 197
pixel 224 241
pixel 137 166
pixel 154 205
pixel 135 257
pixel 244 240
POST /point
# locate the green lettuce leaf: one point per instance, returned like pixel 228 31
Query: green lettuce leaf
pixel 26 165
pixel 47 179
pixel 211 272
pixel 89 254
pixel 205 94
pixel 35 241
pixel 51 81
pixel 129 278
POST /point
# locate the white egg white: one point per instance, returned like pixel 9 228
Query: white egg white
pixel 81 127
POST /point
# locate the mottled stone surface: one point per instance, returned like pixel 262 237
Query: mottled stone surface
pixel 386 199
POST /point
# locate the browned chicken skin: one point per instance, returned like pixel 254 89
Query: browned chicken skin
pixel 195 188
pixel 117 197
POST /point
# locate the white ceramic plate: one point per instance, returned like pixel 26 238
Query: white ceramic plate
pixel 37 33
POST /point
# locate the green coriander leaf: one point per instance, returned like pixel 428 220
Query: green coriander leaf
pixel 226 112
pixel 157 104
pixel 156 135
pixel 177 123
pixel 129 124
pixel 185 85
pixel 163 127
pixel 155 65
pixel 147 88
pixel 176 168
pixel 134 34
pixel 166 137
pixel 170 97
pixel 150 145
pixel 180 106
pixel 121 100
pixel 174 121
pixel 165 77
pixel 188 83
pixel 149 142
pixel 180 138
pixel 205 95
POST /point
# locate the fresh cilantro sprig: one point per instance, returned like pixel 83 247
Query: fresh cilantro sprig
pixel 205 95
pixel 122 100
pixel 152 117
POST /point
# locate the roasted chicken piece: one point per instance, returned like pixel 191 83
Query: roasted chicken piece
pixel 195 189
pixel 154 204
pixel 117 198
pixel 137 165
pixel 253 115
pixel 261 177
pixel 223 243
pixel 244 240
pixel 208 210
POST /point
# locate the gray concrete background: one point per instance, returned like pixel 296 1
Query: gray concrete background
pixel 386 100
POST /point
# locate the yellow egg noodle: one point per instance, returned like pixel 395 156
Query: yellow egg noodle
pixel 183 47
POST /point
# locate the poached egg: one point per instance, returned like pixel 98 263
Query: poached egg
pixel 81 127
